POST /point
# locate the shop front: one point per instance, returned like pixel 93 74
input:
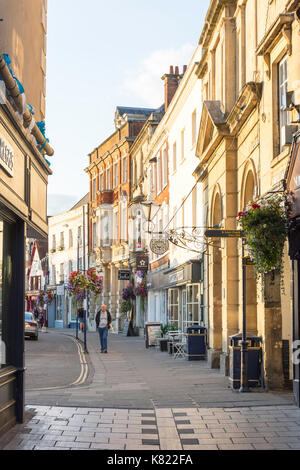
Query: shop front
pixel 185 295
pixel 23 201
pixel 293 185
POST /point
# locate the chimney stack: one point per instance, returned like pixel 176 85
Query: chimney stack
pixel 172 81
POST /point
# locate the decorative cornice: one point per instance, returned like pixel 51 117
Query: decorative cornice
pixel 247 101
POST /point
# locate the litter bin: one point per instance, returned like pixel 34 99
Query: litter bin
pixel 196 343
pixel 254 360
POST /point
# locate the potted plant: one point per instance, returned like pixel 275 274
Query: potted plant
pixel 164 341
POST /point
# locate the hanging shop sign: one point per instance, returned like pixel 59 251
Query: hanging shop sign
pixel 159 246
pixel 6 157
pixel 217 233
pixel 60 290
pixel 142 262
pixel 124 275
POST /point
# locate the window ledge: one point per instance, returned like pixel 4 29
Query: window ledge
pixel 280 157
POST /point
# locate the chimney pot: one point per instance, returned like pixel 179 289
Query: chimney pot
pixel 176 70
pixel 184 69
pixel 171 70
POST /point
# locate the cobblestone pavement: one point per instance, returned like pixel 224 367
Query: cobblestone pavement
pixel 66 428
pixel 132 377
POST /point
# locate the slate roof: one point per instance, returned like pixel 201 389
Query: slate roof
pixel 84 200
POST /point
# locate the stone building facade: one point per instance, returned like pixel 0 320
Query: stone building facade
pixel 250 60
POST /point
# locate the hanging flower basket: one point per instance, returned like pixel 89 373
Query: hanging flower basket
pixel 266 226
pixel 141 289
pixel 128 292
pixel 79 282
pixel 45 298
pixel 95 282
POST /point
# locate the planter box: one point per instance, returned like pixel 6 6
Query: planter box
pixel 164 345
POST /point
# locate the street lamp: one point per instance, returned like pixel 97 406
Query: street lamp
pixel 147 210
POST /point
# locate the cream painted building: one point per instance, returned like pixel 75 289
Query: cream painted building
pixel 250 60
pixel 68 251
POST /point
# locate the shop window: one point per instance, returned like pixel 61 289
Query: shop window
pixel 195 305
pixel 173 307
pixel 59 310
pixel 6 284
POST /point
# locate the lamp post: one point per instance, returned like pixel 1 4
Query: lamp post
pixel 244 345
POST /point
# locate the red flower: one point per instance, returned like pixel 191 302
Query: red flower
pixel 241 214
pixel 255 206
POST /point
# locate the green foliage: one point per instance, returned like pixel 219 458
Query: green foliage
pixel 125 306
pixel 266 227
pixel 165 328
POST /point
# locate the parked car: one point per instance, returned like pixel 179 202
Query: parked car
pixel 31 326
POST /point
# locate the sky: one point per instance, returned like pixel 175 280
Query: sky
pixel 103 54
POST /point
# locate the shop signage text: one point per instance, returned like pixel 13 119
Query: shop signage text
pixel 6 157
pixel 176 277
pixel 123 275
pixel 142 263
pixel 224 233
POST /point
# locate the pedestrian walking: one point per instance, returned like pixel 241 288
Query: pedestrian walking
pixel 80 313
pixel 103 322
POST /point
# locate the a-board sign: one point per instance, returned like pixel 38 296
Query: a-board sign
pixel 124 275
pixel 153 331
pixel 222 233
pixel 126 328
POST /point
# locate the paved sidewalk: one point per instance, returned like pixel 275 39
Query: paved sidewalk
pixel 133 377
pixel 249 428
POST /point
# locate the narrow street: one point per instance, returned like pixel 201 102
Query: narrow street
pixel 129 376
pixel 132 399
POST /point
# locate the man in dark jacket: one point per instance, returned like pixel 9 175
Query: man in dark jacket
pixel 103 321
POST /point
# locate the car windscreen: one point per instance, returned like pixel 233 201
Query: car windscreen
pixel 28 316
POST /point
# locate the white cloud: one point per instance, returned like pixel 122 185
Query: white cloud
pixel 58 203
pixel 145 82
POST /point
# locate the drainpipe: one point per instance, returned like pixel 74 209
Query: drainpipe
pixel 20 102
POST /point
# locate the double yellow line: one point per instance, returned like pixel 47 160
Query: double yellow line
pixel 84 370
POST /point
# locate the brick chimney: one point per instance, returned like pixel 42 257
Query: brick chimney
pixel 172 80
